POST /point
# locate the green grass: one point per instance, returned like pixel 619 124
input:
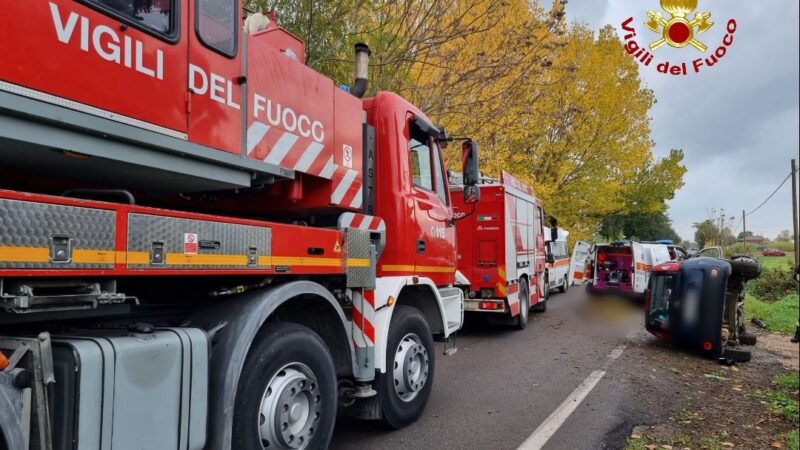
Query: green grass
pixel 780 317
pixel 773 262
pixel 793 439
pixel 784 400
pixel 677 442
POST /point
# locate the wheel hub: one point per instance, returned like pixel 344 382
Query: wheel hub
pixel 410 367
pixel 290 408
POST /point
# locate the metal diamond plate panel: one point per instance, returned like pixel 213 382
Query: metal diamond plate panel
pixel 359 246
pixel 28 226
pixel 232 242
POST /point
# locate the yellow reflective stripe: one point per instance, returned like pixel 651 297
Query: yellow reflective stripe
pixel 183 259
pixel 305 261
pixel 441 269
pixel 412 268
pixel 83 256
pixel 138 258
pixel 397 267
pixel 24 254
pixel 42 255
pixel 86 256
pixel 121 257
pixel 358 262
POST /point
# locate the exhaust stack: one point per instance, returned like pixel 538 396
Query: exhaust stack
pixel 359 87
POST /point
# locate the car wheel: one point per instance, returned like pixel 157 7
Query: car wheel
pixel 563 288
pixel 737 355
pixel 524 306
pixel 541 306
pixel 406 386
pixel 747 339
pixel 286 396
pixel 745 267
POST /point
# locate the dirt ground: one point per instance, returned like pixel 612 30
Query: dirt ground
pixel 708 405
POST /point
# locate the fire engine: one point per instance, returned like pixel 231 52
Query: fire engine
pixel 557 272
pixel 501 256
pixel 204 243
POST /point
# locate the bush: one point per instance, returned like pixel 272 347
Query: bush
pixel 774 284
pixel 785 246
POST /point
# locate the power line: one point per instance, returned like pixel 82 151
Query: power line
pixel 773 193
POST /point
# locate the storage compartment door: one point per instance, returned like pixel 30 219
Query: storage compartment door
pixel 641 267
pixel 578 262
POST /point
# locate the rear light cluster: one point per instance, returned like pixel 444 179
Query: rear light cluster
pixel 492 306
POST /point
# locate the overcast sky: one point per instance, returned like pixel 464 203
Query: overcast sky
pixel 737 122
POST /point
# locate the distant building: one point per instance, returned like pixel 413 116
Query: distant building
pixel 755 240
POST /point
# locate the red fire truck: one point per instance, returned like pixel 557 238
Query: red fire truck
pixel 204 243
pixel 501 255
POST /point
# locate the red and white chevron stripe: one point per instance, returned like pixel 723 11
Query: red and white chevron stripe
pixel 288 150
pixel 282 148
pixel 363 315
pixel 362 222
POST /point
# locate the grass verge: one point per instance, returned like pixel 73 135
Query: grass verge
pixel 780 316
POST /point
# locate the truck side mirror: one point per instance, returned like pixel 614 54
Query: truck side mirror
pixel 553 234
pixel 469 163
pixel 472 194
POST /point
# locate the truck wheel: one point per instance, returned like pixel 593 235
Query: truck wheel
pixel 286 397
pixel 405 387
pixel 563 288
pixel 524 306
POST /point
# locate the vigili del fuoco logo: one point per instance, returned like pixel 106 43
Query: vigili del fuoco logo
pixel 681 28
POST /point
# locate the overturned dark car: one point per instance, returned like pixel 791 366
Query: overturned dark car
pixel 698 304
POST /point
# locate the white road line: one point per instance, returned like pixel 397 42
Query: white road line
pixel 548 428
pixel 617 352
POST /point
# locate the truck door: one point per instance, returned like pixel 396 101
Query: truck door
pixel 578 262
pixel 642 263
pixel 215 101
pixel 435 246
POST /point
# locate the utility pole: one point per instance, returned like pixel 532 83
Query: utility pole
pixel 721 226
pixel 794 213
pixel 796 240
pixel 744 232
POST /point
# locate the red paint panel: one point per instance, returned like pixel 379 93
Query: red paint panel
pixel 119 69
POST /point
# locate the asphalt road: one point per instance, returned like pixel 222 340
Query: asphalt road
pixel 503 384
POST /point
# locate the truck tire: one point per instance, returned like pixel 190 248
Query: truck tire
pixel 521 321
pixel 563 288
pixel 286 396
pixel 404 389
